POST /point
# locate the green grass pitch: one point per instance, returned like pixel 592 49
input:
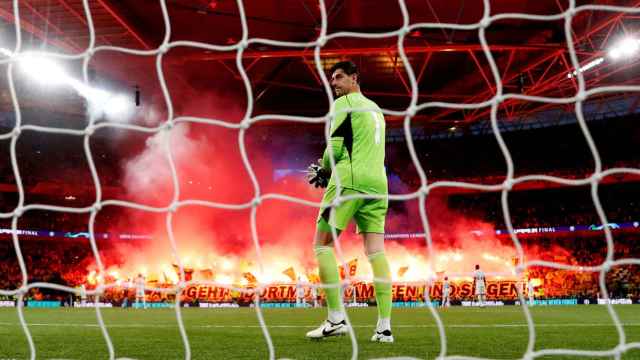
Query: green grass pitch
pixel 236 334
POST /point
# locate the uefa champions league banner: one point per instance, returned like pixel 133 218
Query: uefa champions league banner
pixel 533 230
pixel 125 236
pixel 364 292
pixel 72 234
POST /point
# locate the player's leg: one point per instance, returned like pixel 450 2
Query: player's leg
pixel 328 265
pixel 370 219
pixel 329 275
pixel 374 244
pixel 330 278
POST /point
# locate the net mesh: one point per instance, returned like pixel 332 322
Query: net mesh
pixel 421 194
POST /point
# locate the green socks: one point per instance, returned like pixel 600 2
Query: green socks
pixel 329 275
pixel 381 270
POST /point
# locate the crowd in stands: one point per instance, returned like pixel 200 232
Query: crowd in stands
pixel 49 163
pixel 559 151
pixel 62 262
pixel 55 168
pixel 584 251
pixel 67 262
pixel 551 207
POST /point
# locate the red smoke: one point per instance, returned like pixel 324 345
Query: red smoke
pixel 209 167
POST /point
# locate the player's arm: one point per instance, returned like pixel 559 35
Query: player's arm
pixel 320 173
pixel 336 141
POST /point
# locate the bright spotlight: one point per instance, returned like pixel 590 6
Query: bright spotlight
pixel 118 108
pixel 114 107
pixel 591 64
pixel 97 97
pixel 44 71
pixel 625 48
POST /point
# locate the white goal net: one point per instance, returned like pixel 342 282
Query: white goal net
pixel 12 57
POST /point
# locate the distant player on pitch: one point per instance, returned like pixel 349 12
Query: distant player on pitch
pixel 83 295
pixel 479 286
pixel 357 139
pixel 140 281
pixel 300 301
pixel 530 291
pixel 446 291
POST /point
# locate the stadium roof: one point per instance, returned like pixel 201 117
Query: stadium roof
pixel 449 65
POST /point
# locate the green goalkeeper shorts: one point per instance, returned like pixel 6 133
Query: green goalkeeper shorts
pixel 369 214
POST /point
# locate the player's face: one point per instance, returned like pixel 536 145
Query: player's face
pixel 341 82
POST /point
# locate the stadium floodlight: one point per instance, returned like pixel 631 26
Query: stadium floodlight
pixel 42 70
pixel 47 72
pixel 591 64
pixel 119 107
pixel 625 48
pixel 115 107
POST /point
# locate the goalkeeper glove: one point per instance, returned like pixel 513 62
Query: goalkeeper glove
pixel 318 176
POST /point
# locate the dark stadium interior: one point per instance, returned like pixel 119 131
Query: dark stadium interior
pixel 451 145
pixel 157 266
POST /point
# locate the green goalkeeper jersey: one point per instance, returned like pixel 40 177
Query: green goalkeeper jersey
pixel 358 141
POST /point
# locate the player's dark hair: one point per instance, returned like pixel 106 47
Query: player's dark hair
pixel 446 278
pixel 349 68
pixel 477 266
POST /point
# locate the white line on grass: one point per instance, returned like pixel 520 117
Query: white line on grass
pixel 517 325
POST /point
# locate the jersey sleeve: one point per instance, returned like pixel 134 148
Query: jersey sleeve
pixel 341 107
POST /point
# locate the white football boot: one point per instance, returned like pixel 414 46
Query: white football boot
pixel 328 329
pixel 382 336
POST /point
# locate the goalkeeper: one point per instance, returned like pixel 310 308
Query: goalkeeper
pixel 357 139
